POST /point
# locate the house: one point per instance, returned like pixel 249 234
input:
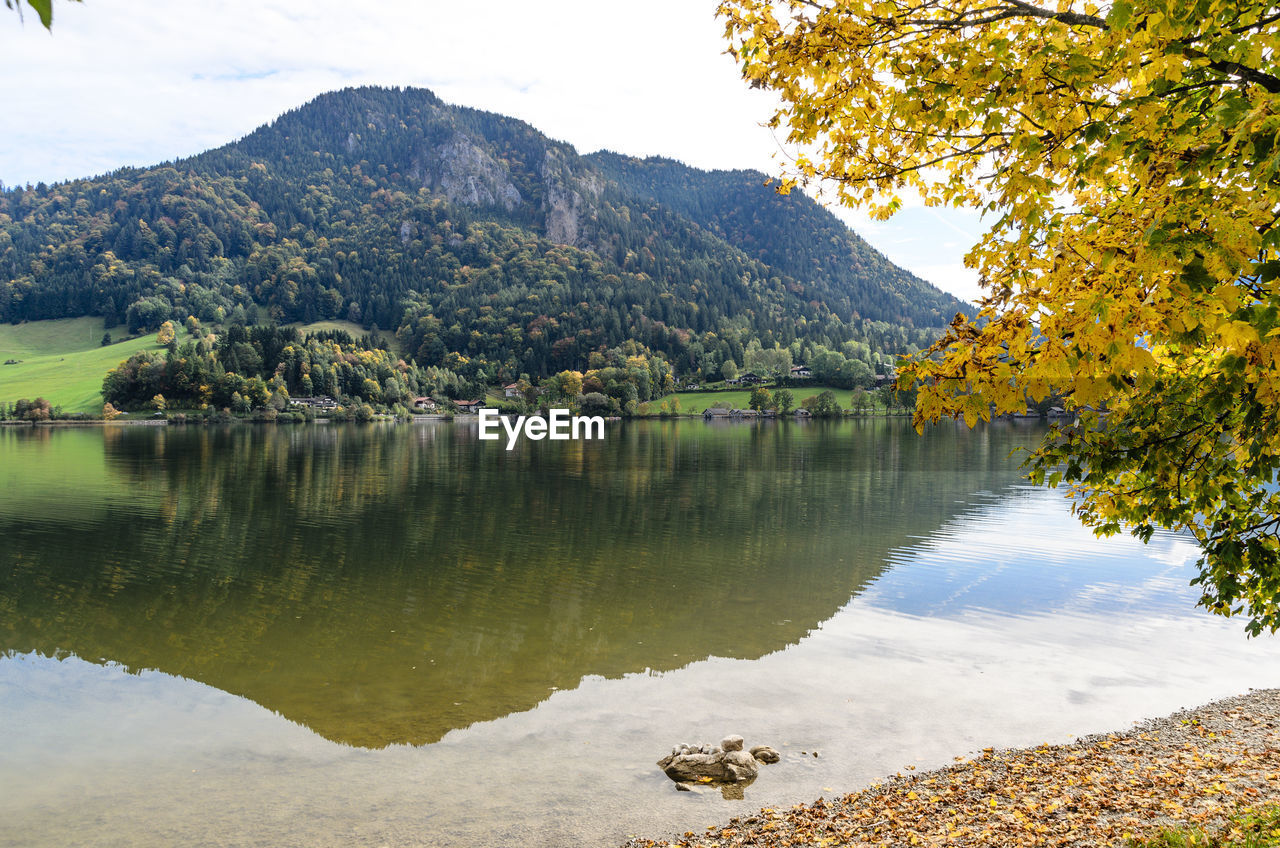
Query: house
pixel 745 413
pixel 750 379
pixel 801 372
pixel 425 404
pixel 882 380
pixel 511 390
pixel 732 381
pixel 803 413
pixel 468 406
pixel 716 412
pixel 314 402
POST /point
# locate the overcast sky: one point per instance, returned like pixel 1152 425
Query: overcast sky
pixel 128 82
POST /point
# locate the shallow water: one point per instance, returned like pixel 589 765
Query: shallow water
pixel 403 635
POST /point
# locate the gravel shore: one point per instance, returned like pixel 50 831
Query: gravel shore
pixel 1197 766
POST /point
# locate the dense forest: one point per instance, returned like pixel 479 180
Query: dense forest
pixel 262 367
pixel 486 247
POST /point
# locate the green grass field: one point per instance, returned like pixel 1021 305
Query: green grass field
pixel 356 331
pixel 63 361
pixel 695 403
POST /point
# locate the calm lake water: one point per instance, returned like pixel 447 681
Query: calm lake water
pixel 401 635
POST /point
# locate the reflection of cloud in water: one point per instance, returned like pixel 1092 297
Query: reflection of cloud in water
pixel 1026 554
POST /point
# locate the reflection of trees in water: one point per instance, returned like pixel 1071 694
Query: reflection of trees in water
pixel 385 584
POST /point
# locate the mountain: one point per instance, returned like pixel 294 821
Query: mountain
pixel 488 247
pixel 790 233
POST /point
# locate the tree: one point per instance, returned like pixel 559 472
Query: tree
pixel 32 410
pixel 783 400
pixel 109 412
pixel 823 405
pixel 595 403
pixel 729 370
pixel 760 399
pixel 106 340
pixel 158 402
pixel 775 361
pixel 1125 156
pixel 166 334
pixel 859 401
pixel 570 383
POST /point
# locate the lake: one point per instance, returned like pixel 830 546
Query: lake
pixel 403 635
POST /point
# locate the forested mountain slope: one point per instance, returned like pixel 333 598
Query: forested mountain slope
pixel 489 247
pixel 790 233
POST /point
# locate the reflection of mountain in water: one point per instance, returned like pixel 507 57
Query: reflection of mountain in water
pixel 388 584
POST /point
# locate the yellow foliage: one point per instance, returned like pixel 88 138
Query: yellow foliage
pixel 1124 156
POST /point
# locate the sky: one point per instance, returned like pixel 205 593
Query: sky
pixel 128 82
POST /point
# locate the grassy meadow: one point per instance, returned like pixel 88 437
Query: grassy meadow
pixel 63 361
pixel 695 403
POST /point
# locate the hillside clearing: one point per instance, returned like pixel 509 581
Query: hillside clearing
pixel 63 361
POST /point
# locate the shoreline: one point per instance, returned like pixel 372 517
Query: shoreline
pixel 1196 767
pixel 457 419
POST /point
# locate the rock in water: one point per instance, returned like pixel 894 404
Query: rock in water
pixel 721 767
pixel 741 765
pixel 765 754
pixel 731 743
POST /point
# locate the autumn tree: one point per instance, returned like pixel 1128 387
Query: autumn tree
pixel 760 399
pixel 570 383
pixel 1125 158
pixel 166 334
pixel 32 410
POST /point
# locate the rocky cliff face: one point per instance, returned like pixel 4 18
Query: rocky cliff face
pixel 464 173
pixel 567 199
pixel 454 158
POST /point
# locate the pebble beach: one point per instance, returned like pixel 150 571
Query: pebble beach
pixel 1197 767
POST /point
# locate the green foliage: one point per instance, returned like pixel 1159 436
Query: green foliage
pixel 783 400
pixel 791 234
pixel 774 362
pixel 340 210
pixel 823 405
pixel 760 399
pixel 595 403
pixel 42 8
pixel 251 368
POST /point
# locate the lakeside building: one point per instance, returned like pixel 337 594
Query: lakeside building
pixel 325 402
